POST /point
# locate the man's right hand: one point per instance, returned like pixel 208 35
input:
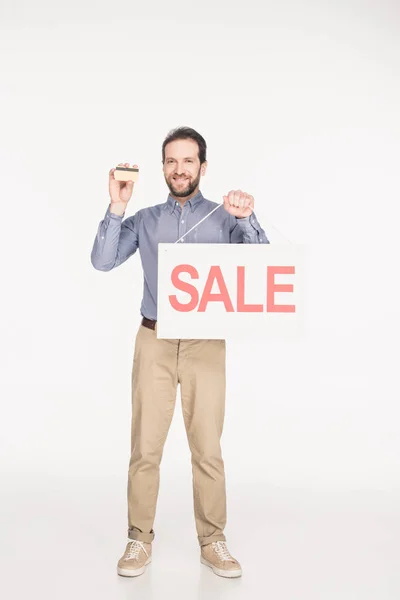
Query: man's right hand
pixel 120 191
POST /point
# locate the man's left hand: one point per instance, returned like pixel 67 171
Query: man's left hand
pixel 239 204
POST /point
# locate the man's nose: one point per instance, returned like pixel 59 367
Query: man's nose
pixel 180 169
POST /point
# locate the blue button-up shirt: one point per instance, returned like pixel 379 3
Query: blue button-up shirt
pixel 117 240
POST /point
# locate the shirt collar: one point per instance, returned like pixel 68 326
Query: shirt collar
pixel 193 202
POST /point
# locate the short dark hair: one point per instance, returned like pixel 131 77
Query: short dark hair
pixel 184 133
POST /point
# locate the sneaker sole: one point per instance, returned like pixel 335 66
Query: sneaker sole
pixel 221 572
pixel 133 572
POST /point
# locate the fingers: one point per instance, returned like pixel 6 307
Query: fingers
pixel 240 199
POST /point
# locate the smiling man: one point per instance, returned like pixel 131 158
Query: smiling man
pixel 185 184
pixel 161 364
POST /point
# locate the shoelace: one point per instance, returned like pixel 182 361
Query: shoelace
pixel 222 551
pixel 134 549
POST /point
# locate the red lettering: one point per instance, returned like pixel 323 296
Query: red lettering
pixel 273 287
pixel 241 306
pixel 215 274
pixel 183 286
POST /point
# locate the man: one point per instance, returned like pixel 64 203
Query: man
pixel 160 364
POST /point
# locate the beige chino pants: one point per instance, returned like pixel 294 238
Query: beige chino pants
pixel 158 366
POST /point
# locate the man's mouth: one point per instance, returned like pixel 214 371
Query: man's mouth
pixel 180 179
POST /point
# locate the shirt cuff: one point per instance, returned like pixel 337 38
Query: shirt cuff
pixel 245 222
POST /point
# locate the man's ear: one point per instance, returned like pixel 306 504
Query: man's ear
pixel 204 167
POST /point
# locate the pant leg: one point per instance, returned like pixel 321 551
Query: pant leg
pixel 201 373
pixel 154 387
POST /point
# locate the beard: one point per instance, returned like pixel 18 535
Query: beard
pixel 181 191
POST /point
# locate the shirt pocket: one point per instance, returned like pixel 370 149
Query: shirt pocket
pixel 208 235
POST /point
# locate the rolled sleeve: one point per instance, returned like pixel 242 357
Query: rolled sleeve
pixel 248 230
pixel 115 241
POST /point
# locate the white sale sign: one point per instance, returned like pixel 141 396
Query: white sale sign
pixel 219 291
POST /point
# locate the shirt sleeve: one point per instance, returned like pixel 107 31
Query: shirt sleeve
pixel 247 231
pixel 115 241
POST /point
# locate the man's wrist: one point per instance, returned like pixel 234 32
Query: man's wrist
pixel 117 208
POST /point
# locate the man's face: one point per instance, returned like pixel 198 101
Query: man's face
pixel 182 170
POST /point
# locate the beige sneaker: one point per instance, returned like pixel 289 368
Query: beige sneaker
pixel 135 558
pixel 216 556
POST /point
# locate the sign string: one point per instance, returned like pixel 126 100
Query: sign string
pixel 210 213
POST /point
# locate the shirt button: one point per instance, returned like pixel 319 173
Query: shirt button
pixel 102 237
pixel 182 221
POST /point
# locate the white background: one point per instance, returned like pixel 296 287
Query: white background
pixel 299 104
